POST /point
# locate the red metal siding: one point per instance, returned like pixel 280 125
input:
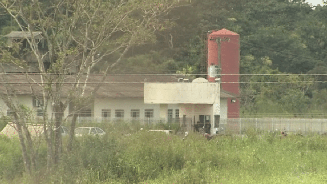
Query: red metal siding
pixel 229 64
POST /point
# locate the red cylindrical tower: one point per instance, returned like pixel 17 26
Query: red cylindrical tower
pixel 223 51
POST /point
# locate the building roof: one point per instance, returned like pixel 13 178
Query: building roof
pixel 223 32
pixel 23 34
pixel 114 86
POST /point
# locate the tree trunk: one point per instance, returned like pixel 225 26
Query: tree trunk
pixel 71 133
pixel 26 160
pixel 58 137
pixel 30 147
pixel 49 147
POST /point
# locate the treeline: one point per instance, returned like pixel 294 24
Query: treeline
pixel 276 37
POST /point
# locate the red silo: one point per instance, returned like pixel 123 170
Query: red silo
pixel 223 51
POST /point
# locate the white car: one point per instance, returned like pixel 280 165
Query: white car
pixel 89 131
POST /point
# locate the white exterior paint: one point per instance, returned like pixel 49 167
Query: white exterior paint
pixel 175 93
pixel 223 109
pixel 127 105
pixel 105 103
pixel 197 98
pixel 205 97
pixel 3 108
pixel 191 110
pixel 27 101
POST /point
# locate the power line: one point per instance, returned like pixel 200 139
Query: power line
pixel 284 74
pixel 274 82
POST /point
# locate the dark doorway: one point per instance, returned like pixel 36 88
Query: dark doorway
pixel 205 123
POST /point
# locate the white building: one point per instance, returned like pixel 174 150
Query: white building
pixel 131 97
pixel 198 101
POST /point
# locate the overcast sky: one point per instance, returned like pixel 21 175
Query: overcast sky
pixel 315 2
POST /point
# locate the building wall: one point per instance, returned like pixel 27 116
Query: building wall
pixel 194 110
pixel 175 93
pixel 127 105
pixel 27 100
pixel 3 108
pixel 223 108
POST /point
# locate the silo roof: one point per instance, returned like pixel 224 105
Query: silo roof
pixel 223 32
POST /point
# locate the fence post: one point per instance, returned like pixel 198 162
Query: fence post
pixel 272 124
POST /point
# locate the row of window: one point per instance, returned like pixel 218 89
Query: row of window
pixel 119 113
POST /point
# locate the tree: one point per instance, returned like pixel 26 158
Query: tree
pixel 78 35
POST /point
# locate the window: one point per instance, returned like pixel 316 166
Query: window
pixel 176 113
pixel 149 113
pixel 93 131
pixel 170 114
pixel 37 102
pixel 85 113
pixel 84 131
pixel 119 113
pixel 105 113
pixel 39 112
pixel 135 113
pixel 100 131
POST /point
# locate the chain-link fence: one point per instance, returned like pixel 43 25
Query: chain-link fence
pixel 240 125
pixel 235 126
pixel 185 124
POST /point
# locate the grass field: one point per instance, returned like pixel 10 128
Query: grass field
pixel 126 155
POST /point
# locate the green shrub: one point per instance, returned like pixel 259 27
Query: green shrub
pixel 10 158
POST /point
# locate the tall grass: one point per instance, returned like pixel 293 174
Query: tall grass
pixel 127 155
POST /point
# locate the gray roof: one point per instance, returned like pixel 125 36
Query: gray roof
pixel 23 34
pixel 114 86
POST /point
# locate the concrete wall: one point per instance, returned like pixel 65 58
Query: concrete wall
pixel 175 93
pixel 223 108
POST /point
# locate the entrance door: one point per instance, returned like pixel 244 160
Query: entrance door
pixel 205 121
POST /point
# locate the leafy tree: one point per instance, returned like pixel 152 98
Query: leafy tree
pixel 79 34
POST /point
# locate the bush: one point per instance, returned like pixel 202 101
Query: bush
pixel 94 155
pixel 11 160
